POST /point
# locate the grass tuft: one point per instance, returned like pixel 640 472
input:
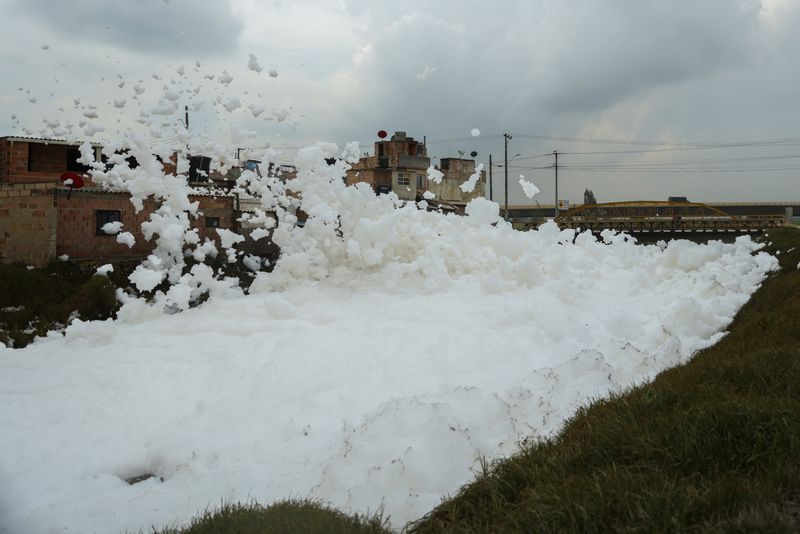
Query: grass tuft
pixel 287 517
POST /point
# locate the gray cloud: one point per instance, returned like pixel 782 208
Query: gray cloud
pixel 710 71
pixel 612 50
pixel 177 27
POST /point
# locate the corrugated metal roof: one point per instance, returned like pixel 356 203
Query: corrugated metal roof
pixel 103 190
pixel 44 141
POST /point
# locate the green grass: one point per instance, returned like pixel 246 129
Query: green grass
pixel 36 301
pixel 711 446
pixel 287 517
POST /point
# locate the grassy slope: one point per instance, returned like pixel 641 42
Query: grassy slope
pixel 713 445
pixel 35 301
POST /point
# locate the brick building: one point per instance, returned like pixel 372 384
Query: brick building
pixel 27 223
pixel 34 160
pixel 41 220
pixel 400 165
pixel 81 214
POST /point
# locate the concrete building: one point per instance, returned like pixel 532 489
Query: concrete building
pixel 401 164
pixel 456 172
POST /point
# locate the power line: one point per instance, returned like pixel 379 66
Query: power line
pixel 598 140
pixel 679 149
pixel 685 171
pixel 678 163
pixel 475 139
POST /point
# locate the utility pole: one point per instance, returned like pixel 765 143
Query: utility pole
pixel 506 137
pixel 490 177
pixel 555 167
pixel 186 110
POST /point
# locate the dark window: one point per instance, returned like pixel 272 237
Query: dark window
pixel 402 180
pixel 198 168
pixel 212 222
pixel 132 163
pixel 420 181
pixel 72 161
pixel 380 149
pixel 102 217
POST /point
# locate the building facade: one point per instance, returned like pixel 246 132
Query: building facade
pixel 400 165
pixel 41 220
pixel 457 171
pixel 34 160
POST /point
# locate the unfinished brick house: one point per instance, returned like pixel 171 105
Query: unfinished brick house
pixel 32 160
pixel 400 165
pixel 41 220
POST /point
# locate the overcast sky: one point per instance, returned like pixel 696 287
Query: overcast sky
pixel 669 78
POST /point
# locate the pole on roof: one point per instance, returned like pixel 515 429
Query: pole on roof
pixel 490 177
pixel 506 137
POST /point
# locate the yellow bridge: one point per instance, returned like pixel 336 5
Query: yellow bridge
pixel 666 217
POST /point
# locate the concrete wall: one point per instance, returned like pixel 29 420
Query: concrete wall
pixel 403 191
pixel 456 172
pixel 27 223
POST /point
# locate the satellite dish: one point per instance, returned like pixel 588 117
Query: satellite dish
pixel 460 153
pixel 473 153
pixel 71 180
pixel 382 134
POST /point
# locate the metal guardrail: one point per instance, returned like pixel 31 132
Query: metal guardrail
pixel 658 217
pixel 756 223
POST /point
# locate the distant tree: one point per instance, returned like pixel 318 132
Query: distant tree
pixel 588 197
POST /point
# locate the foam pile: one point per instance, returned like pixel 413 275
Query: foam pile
pixel 389 351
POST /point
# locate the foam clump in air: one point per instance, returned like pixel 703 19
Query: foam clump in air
pixel 112 228
pixel 252 63
pixel 435 175
pixel 469 185
pixel 529 188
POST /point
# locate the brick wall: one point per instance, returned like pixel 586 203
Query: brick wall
pixel 47 162
pixel 75 232
pixel 27 223
pixel 220 207
pixel 77 224
pixel 4 144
